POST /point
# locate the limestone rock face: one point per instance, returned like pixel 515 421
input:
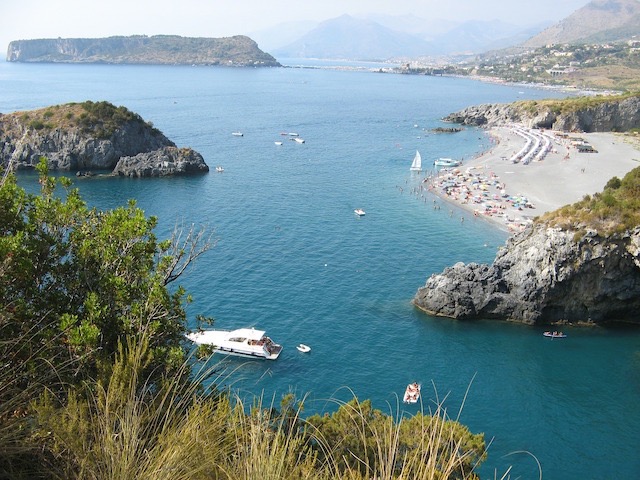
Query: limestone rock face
pixel 544 275
pixel 70 149
pixel 621 115
pixel 92 137
pixel 159 163
pixel 236 51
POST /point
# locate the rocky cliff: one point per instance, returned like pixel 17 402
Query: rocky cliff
pixel 237 51
pixel 544 275
pixel 597 114
pixel 90 136
pixel 160 163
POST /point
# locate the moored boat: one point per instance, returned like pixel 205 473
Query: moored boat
pixel 412 393
pixel 446 162
pixel 360 212
pixel 554 335
pixel 237 134
pixel 243 342
pixel 303 348
pixel 416 164
pixel 219 169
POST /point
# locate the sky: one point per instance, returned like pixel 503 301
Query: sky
pixel 29 19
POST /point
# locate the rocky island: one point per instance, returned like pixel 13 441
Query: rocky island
pixel 236 51
pixel 89 136
pixel 577 264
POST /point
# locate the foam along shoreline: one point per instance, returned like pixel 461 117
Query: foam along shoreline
pixel 528 172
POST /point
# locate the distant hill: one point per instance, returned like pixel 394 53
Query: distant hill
pixel 425 28
pixel 480 36
pixel 280 35
pixel 347 37
pixel 383 37
pixel 598 21
pixel 141 49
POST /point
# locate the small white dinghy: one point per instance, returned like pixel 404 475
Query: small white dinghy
pixel 412 393
pixel 303 348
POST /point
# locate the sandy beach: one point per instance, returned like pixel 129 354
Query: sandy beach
pixel 530 172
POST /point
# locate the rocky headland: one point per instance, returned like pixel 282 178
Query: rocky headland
pixel 585 114
pixel 236 51
pixel 92 136
pixel 544 275
pixel 578 264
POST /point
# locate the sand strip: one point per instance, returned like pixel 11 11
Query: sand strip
pixel 511 189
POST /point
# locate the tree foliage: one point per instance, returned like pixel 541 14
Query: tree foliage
pixel 612 211
pixel 76 281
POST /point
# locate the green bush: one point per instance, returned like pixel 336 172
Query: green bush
pixel 614 210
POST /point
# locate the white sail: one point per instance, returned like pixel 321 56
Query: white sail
pixel 416 165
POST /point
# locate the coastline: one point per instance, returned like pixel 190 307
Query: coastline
pixel 509 191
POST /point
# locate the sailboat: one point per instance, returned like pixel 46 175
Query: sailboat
pixel 416 165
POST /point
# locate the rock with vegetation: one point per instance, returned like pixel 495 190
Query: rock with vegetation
pixel 237 51
pixel 89 136
pixel 162 162
pixel 618 113
pixel 579 264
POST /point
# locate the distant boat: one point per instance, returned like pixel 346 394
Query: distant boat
pixel 293 134
pixel 278 143
pixel 555 334
pixel 446 162
pixel 219 169
pixel 416 165
pixel 237 134
pixel 360 212
pixel 298 139
pixel 303 348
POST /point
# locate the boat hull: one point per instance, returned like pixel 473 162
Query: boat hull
pixel 412 393
pixel 446 162
pixel 554 335
pixel 237 353
pixel 244 342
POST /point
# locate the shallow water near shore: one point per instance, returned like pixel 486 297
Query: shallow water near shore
pixel 292 258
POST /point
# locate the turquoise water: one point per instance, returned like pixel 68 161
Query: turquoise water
pixel 292 258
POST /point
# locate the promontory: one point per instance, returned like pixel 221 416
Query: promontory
pixel 577 264
pixel 236 51
pixel 92 136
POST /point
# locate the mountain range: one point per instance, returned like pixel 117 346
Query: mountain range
pixel 599 21
pixel 393 37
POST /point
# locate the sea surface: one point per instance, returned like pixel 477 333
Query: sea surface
pixel 290 256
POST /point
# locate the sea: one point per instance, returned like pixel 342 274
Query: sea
pixel 290 257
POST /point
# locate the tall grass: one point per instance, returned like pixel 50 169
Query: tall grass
pixel 24 369
pixel 126 428
pixel 130 429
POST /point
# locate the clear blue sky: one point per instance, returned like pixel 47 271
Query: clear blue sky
pixel 27 19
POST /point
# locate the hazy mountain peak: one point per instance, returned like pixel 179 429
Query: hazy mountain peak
pixel 602 19
pixel 347 37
